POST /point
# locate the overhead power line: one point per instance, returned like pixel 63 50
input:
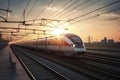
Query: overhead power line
pixel 69 13
pixel 94 2
pixel 97 15
pixel 96 10
pixel 7 9
pixel 43 10
pixel 31 8
pixel 24 10
pixel 66 3
pixel 61 7
pixel 117 8
pixel 65 8
pixel 75 7
pixel 27 4
pixel 7 12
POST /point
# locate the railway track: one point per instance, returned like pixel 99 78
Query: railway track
pixel 92 66
pixel 58 72
pixel 112 55
pixel 105 65
pixel 37 70
pixel 106 49
pixel 91 69
pixel 102 59
pixel 108 67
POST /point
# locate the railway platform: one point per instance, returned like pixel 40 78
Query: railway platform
pixel 10 70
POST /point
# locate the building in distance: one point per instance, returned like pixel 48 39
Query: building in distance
pixel 110 41
pixel 105 41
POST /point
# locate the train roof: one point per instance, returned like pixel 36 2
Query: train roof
pixel 69 34
pixel 65 34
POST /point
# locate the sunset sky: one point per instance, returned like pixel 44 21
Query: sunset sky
pixel 94 18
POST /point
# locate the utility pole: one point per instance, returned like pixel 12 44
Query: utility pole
pixel 7 14
pixel 89 40
pixel 24 16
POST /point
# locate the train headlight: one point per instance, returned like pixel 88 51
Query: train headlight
pixel 73 45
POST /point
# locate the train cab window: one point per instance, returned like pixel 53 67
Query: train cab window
pixel 76 39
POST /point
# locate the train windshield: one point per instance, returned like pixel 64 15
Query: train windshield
pixel 76 39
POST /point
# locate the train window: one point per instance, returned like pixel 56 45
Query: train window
pixel 76 39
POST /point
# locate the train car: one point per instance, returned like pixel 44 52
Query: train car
pixel 66 44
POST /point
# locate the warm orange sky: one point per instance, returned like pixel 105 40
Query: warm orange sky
pixel 104 22
pixel 97 29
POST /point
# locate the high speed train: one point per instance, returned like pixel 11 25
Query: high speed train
pixel 66 44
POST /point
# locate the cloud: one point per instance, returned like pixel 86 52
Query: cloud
pixel 53 8
pixel 112 16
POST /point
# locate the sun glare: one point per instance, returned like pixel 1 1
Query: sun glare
pixel 58 31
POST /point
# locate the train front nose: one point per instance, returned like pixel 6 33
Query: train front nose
pixel 79 49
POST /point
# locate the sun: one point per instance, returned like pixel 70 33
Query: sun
pixel 58 31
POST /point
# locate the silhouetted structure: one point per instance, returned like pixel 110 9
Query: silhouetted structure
pixel 104 41
pixel 111 41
